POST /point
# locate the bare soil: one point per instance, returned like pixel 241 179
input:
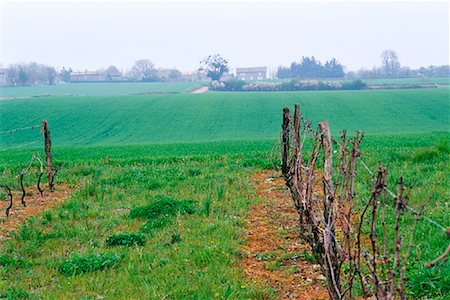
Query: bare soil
pixel 274 254
pixel 34 205
pixel 201 90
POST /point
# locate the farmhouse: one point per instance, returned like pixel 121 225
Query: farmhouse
pixel 87 76
pixel 253 73
pixel 95 76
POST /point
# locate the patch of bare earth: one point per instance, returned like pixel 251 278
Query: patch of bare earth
pixel 201 90
pixel 274 254
pixel 35 204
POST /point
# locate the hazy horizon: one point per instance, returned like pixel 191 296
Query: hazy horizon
pixel 93 35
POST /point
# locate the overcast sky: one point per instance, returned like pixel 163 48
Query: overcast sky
pixel 91 35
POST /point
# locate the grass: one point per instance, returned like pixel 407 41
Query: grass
pixel 98 89
pixel 195 255
pixel 438 80
pixel 202 148
pixel 189 255
pixel 163 119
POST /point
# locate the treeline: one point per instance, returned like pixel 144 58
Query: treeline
pixel 30 73
pixel 310 67
pixel 402 72
pixel 390 67
pixel 216 67
pixel 143 70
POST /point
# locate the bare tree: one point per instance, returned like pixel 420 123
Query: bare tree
pixel 143 70
pixel 390 64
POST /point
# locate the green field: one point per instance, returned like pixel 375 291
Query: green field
pixel 439 81
pixel 161 119
pixel 201 148
pixel 98 89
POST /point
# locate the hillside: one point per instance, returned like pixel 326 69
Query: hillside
pixel 180 118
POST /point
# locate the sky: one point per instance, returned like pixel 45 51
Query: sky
pixel 92 35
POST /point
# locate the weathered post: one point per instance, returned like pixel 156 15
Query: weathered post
pixel 285 167
pixel 331 255
pixel 48 154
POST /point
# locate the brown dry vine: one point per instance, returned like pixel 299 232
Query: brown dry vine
pixel 328 221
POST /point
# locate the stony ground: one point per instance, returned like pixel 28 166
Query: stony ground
pixel 35 204
pixel 274 254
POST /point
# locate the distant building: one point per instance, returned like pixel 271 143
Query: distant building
pixel 87 76
pixel 254 73
pixel 95 76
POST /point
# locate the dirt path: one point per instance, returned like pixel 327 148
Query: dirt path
pixel 35 204
pixel 275 256
pixel 200 90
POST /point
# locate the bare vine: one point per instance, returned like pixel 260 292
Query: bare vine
pixel 328 221
pixel 8 190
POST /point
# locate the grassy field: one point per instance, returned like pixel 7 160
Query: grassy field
pixel 98 89
pixel 431 80
pixel 150 119
pixel 192 250
pixel 441 81
pixel 193 255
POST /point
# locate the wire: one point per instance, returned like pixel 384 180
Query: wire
pixel 19 129
pixel 413 210
pixel 18 146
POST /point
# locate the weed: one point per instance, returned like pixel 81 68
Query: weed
pixel 89 263
pixel 10 262
pixel 156 224
pixel 272 265
pixel 125 239
pixel 15 293
pixel 153 184
pixel 194 172
pixel 206 210
pixel 441 149
pixel 166 206
pixel 308 256
pixel 47 218
pixel 220 192
pixel 175 238
pixel 262 256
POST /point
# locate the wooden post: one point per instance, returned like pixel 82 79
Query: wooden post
pixel 297 127
pixel 48 154
pixel 285 166
pixel 330 255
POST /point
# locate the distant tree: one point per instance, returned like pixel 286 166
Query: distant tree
pixel 51 75
pixel 214 66
pixel 12 74
pixel 332 69
pixel 390 64
pixel 283 72
pixel 111 72
pixel 23 76
pixel 144 70
pixel 175 75
pixel 435 71
pixel 64 74
pixel 309 68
